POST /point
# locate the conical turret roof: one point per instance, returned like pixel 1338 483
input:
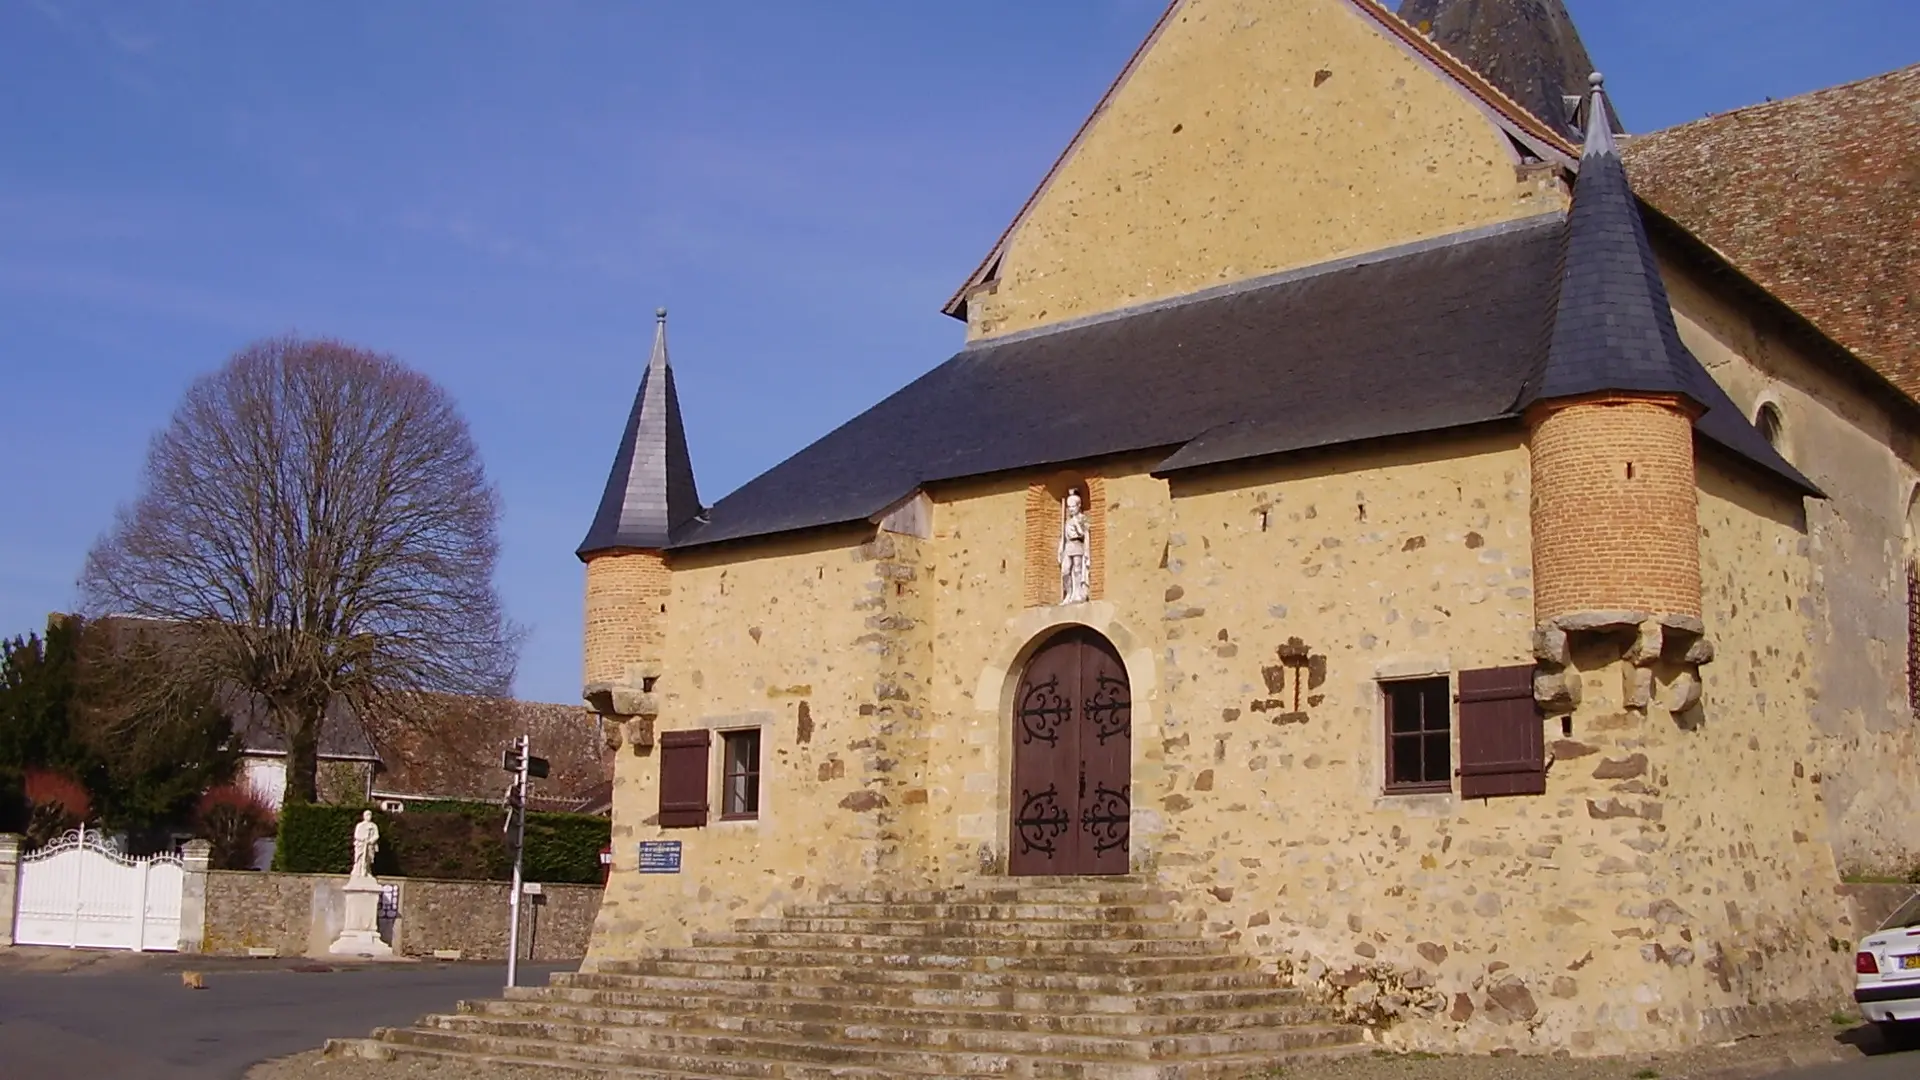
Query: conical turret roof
pixel 1613 325
pixel 650 491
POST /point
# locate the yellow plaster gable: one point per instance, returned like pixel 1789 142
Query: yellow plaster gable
pixel 1253 136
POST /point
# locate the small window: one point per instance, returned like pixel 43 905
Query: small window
pixel 740 777
pixel 1419 735
pixel 1772 427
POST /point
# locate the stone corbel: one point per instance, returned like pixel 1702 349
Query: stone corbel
pixel 628 705
pixel 1676 639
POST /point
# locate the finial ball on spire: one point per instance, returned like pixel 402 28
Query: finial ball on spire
pixel 660 313
pixel 1596 80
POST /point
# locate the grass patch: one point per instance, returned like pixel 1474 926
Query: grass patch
pixel 1842 1018
pixel 1646 1074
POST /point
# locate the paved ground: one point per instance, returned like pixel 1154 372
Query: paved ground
pixel 68 1015
pixel 1825 1051
pixel 104 1016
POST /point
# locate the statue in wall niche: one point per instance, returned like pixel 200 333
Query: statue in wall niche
pixel 366 843
pixel 1075 587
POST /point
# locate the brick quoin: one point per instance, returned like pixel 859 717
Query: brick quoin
pixel 1604 541
pixel 625 623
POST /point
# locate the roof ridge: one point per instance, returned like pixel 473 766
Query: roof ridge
pixel 1466 73
pixel 1278 277
pixel 1779 104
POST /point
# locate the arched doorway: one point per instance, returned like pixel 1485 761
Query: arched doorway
pixel 1072 759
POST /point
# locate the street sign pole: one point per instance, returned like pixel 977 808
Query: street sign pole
pixel 517 821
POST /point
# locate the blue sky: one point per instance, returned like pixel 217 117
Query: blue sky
pixel 501 193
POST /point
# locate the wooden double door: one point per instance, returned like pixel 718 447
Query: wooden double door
pixel 1072 759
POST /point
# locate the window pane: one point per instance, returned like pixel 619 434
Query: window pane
pixel 1439 766
pixel 1403 707
pixel 1406 761
pixel 740 780
pixel 1433 702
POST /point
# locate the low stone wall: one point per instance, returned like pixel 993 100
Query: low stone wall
pixel 252 910
pixel 299 914
pixel 472 916
pixel 1871 905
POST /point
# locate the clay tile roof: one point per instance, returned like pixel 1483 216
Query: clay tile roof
pixel 454 752
pixel 1817 199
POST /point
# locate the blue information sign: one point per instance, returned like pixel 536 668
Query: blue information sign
pixel 659 856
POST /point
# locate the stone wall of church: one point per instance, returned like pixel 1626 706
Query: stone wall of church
pixel 1851 657
pixel 807 640
pixel 1254 136
pixel 1671 877
pixel 985 628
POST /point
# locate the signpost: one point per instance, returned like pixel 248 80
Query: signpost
pixel 518 759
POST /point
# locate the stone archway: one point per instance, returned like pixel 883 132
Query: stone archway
pixel 1072 785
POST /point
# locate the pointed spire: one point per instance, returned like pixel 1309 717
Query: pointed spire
pixel 1613 326
pixel 1528 48
pixel 650 491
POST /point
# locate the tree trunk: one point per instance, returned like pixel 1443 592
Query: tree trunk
pixel 303 757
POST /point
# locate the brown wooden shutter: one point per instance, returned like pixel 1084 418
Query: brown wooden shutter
pixel 1502 748
pixel 683 778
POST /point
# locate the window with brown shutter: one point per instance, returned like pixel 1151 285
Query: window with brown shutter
pixel 683 778
pixel 1502 747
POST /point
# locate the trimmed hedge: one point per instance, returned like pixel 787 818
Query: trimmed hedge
pixel 457 840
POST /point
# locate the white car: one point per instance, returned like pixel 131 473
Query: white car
pixel 1887 975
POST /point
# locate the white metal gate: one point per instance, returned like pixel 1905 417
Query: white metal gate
pixel 79 893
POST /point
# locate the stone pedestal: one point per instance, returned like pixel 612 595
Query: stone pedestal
pixel 361 936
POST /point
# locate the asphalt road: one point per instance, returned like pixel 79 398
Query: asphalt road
pixel 144 1025
pixel 1886 1067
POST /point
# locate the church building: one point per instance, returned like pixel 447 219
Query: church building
pixel 1354 512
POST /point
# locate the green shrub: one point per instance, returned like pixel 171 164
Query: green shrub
pixel 458 840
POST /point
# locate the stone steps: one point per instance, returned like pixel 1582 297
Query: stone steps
pixel 1040 930
pixel 960 946
pixel 1241 975
pixel 1251 1010
pixel 697 959
pixel 716 993
pixel 1066 979
pixel 1230 1067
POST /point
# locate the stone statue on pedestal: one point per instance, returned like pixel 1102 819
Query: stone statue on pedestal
pixel 1075 587
pixel 361 934
pixel 366 844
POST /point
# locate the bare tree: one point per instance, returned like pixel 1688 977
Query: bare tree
pixel 315 524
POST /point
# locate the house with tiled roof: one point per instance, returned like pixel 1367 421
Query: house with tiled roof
pixel 1356 525
pixel 455 754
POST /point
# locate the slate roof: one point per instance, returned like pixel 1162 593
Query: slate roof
pixel 650 490
pixel 1437 335
pixel 1817 199
pixel 1528 48
pixel 1613 325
